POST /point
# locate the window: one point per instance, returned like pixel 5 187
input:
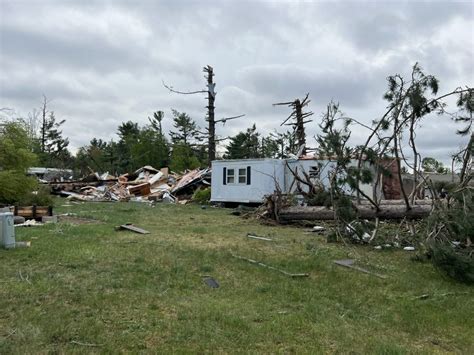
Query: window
pixel 230 176
pixel 239 176
pixel 242 176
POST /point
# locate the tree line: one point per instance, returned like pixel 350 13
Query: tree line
pixel 183 147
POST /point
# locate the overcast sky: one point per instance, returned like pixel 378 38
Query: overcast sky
pixel 103 62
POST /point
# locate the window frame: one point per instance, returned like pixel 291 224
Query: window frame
pixel 244 175
pixel 237 176
pixel 232 176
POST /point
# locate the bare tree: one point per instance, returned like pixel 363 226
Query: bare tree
pixel 211 97
pixel 298 119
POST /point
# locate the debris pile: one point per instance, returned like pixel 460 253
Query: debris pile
pixel 147 184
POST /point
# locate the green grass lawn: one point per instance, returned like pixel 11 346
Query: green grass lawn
pixel 88 288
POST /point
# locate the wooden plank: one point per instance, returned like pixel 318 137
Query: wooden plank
pixel 133 228
pixel 253 236
pixel 349 263
pixel 255 262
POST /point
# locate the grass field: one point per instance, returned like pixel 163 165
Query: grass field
pixel 84 287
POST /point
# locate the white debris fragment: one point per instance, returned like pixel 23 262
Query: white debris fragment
pixel 409 248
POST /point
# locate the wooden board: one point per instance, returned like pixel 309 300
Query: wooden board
pixel 133 228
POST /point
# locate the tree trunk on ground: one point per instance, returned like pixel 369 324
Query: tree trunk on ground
pixel 397 202
pixel 364 211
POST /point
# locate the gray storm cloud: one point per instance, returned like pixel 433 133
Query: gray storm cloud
pixel 103 62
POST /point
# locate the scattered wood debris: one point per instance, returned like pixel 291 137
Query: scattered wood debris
pixel 30 223
pixel 147 184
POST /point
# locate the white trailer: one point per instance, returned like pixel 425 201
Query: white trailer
pixel 246 180
pixel 249 180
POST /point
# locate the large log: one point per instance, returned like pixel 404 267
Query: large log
pixel 398 202
pixel 324 213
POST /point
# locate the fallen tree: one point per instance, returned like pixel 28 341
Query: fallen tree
pixel 295 213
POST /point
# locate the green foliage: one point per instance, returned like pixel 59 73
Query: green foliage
pixel 15 148
pixel 431 165
pixel 466 103
pixel 456 264
pixel 187 131
pixel 412 100
pixel 53 149
pixel 15 186
pixel 182 158
pixel 155 122
pixel 451 249
pixel 202 195
pixel 322 198
pixel 40 197
pixel 187 152
pixel 286 143
pixel 15 158
pixel 269 148
pixel 245 145
pixel 150 148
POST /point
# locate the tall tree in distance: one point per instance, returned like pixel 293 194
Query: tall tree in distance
pixel 53 147
pixel 128 134
pixel 431 165
pixel 186 130
pixel 245 145
pixel 186 139
pixel 286 142
pixel 155 122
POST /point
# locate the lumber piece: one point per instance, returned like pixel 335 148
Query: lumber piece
pixel 132 228
pixel 349 263
pixel 253 236
pixel 324 213
pixel 255 262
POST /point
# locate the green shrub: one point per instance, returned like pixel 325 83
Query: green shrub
pixel 322 198
pixel 455 263
pixel 202 195
pixel 40 197
pixel 15 186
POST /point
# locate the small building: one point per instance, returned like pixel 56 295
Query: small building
pixel 50 174
pixel 249 180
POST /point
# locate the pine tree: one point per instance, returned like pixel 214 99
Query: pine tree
pixel 244 145
pixel 187 132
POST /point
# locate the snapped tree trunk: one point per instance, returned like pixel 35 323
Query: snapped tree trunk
pixel 363 211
